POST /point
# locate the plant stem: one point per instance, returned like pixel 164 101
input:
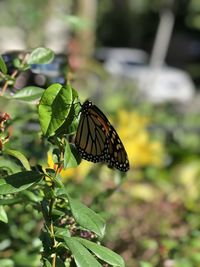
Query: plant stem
pixel 2 75
pixel 54 260
pixel 7 82
pixel 13 75
pixel 52 231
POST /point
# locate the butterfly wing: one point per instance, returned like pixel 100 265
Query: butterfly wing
pixel 116 155
pixel 90 138
pixel 97 140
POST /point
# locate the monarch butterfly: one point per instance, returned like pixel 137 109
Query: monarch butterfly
pixel 97 140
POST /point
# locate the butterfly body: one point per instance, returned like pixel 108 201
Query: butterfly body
pixel 97 140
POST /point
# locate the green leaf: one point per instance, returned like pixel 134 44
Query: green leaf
pixel 3 67
pixel 86 217
pixel 10 201
pixel 77 23
pixel 54 107
pixel 3 215
pixel 19 156
pixel 47 263
pixel 31 197
pixel 29 93
pixel 6 263
pixel 145 264
pixel 41 55
pixel 58 212
pixel 71 123
pixel 75 111
pixel 70 156
pixel 103 253
pixel 17 63
pixel 19 181
pixel 8 166
pixel 81 255
pixel 61 232
pixel 75 94
pixel 59 263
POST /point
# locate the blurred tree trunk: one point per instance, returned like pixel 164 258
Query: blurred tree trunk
pixel 163 35
pixel 162 39
pixel 86 10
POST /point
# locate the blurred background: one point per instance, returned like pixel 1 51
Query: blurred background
pixel 139 61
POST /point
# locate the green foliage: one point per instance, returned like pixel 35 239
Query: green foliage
pixel 40 55
pixel 36 210
pixel 70 156
pixel 78 250
pixel 29 93
pixel 102 252
pixel 54 107
pixel 3 215
pixel 3 66
pixel 80 246
pixel 153 218
pixel 87 217
pixel 18 155
pixel 18 182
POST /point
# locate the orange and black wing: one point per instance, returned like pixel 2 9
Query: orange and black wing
pixel 116 155
pixel 91 136
pixel 97 140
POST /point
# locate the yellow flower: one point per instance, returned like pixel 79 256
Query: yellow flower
pixel 141 150
pixel 78 172
pixel 187 174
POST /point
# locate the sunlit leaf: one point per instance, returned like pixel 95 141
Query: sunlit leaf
pixel 61 232
pixel 19 156
pixel 86 217
pixel 29 93
pixel 71 158
pixel 71 123
pixel 6 263
pixel 54 107
pixel 3 215
pixel 3 67
pixel 145 264
pixel 41 55
pixel 81 255
pixel 47 263
pixel 103 253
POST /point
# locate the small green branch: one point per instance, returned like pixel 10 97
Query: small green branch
pixel 13 76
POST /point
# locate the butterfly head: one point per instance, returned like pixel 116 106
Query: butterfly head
pixel 87 104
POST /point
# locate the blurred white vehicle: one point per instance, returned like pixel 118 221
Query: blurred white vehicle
pixel 163 84
pixel 118 60
pixel 155 84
